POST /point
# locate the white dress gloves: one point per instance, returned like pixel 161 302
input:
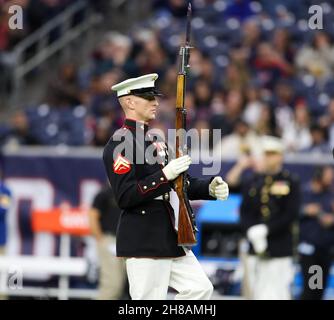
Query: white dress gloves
pixel 257 235
pixel 218 188
pixel 176 166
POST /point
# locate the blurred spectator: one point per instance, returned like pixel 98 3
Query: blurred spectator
pixel 317 231
pixel 66 83
pixel 19 131
pixel 113 52
pixel 217 104
pixel 282 45
pixel 168 85
pixel 102 99
pixel 319 144
pixel 318 58
pixel 102 132
pixel 251 36
pixel 152 57
pixel 327 122
pixel 253 107
pixel 196 62
pixel 233 108
pixel 202 95
pixel 242 141
pixel 284 102
pixel 269 66
pixel 236 77
pixel 266 124
pixel 296 135
pixel 103 218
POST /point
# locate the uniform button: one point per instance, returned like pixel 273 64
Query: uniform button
pixel 143 212
pixel 265 211
pixel 265 190
pixel 268 180
pixel 153 183
pixel 162 178
pixel 145 187
pixel 252 192
pixel 166 196
pixel 264 198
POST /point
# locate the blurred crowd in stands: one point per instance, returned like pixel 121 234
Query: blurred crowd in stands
pixel 256 68
pixel 35 14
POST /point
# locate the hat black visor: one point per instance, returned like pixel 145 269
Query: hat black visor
pixel 144 92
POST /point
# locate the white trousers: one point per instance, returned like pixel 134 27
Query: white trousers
pixel 150 278
pixel 268 279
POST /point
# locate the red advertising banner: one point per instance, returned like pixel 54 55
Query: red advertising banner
pixel 64 219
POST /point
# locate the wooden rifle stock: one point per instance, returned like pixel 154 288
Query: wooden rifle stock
pixel 186 232
pixel 186 222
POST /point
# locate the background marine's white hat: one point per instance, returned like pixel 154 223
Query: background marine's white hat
pixel 272 144
pixel 137 86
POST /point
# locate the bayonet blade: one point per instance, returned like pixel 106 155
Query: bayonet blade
pixel 188 30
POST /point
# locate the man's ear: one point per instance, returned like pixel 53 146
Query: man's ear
pixel 130 103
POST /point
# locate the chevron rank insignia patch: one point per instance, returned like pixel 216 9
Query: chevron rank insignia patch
pixel 121 165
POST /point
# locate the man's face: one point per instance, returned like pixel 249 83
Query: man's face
pixel 272 161
pixel 144 109
pixel 328 176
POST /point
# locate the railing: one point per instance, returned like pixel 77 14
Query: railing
pixel 39 40
pixel 63 266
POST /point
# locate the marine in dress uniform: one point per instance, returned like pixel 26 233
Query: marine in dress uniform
pixel 142 178
pixel 270 206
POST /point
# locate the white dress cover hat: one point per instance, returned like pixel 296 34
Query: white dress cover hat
pixel 137 86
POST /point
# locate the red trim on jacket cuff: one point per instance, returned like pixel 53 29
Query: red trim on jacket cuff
pixel 150 189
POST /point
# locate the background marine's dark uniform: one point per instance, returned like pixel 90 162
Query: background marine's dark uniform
pixel 146 225
pixel 275 201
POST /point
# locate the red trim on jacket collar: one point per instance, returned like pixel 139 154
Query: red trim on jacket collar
pixel 131 124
